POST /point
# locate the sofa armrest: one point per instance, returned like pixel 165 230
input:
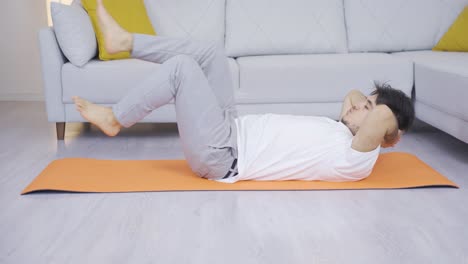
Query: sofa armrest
pixel 52 60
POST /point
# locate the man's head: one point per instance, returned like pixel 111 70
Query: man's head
pixel 396 100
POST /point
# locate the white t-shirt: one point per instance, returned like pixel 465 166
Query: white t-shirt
pixel 274 147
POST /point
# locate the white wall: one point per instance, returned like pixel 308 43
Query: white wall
pixel 20 72
pixel 49 19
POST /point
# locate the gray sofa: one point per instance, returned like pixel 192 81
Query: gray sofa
pixel 294 57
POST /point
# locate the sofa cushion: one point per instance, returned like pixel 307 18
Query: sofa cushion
pixel 129 14
pixel 105 82
pixel 201 19
pixel 383 25
pixel 455 39
pixel 74 32
pixel 318 77
pixel 255 27
pixel 441 80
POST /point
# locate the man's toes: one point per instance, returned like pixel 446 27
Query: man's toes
pixel 85 102
pixel 82 102
pixel 76 99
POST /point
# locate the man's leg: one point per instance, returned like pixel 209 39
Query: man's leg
pixel 205 129
pixel 209 55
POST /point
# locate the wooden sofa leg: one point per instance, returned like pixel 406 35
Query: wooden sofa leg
pixel 60 130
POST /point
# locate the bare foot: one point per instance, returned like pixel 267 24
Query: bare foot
pixel 116 39
pixel 101 116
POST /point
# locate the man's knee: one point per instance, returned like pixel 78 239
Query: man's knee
pixel 209 50
pixel 183 59
pixel 184 63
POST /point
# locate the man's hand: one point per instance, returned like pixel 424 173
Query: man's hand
pixel 351 99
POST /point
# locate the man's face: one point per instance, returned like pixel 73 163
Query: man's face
pixel 357 114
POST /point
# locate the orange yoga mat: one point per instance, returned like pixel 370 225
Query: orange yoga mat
pixel 392 170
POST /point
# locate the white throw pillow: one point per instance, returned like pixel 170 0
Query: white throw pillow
pixel 74 32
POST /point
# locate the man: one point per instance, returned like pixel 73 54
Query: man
pixel 221 146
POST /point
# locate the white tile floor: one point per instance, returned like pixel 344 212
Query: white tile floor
pixel 425 225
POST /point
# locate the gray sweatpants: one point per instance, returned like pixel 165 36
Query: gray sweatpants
pixel 197 76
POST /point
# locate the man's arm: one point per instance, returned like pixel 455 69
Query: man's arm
pixel 379 123
pixel 353 97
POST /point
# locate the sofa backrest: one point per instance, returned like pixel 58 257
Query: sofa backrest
pixel 261 27
pixel 398 25
pixel 257 27
pixel 199 19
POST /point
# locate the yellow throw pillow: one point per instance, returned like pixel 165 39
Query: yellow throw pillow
pixel 131 16
pixel 456 37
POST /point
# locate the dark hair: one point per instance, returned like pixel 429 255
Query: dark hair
pixel 400 104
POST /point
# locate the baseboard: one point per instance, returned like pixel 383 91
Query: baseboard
pixel 27 96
